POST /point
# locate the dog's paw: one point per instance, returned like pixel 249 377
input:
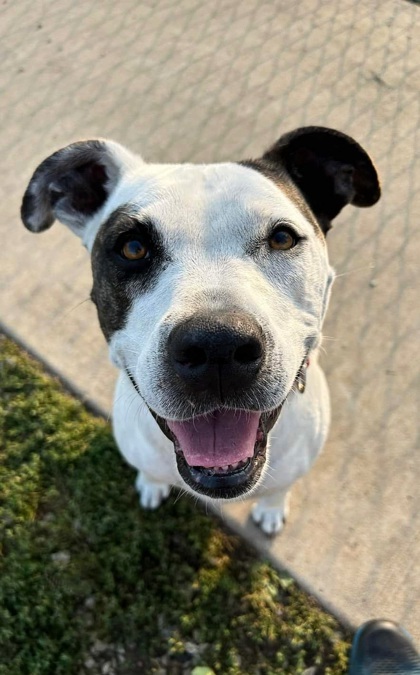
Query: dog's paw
pixel 270 519
pixel 152 494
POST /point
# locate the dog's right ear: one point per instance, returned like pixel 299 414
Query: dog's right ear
pixel 73 184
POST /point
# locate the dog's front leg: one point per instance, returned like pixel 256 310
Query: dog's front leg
pixel 143 445
pixel 152 493
pixel 271 511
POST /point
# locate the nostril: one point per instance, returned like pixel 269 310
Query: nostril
pixel 248 353
pixel 192 357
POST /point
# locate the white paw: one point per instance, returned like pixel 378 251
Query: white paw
pixel 270 519
pixel 152 494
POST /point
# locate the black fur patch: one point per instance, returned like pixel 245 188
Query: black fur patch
pixel 84 187
pixel 321 170
pixel 27 211
pixel 71 185
pixel 116 280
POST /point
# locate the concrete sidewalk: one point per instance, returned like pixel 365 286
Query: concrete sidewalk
pixel 184 80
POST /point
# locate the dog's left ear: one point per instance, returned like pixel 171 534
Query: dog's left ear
pixel 330 169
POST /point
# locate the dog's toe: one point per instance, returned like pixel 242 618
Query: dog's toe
pixel 270 520
pixel 152 494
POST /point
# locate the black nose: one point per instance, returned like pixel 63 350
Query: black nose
pixel 217 353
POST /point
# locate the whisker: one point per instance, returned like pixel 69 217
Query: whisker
pixel 353 271
pixel 181 493
pixel 79 304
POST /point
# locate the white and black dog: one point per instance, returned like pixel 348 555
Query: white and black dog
pixel 211 284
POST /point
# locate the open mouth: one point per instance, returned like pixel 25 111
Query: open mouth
pixel 222 454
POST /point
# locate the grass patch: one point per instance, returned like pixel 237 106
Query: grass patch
pixel 90 583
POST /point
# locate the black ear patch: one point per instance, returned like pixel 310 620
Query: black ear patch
pixel 329 168
pixel 84 187
pixel 70 185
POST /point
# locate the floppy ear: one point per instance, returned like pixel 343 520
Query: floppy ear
pixel 330 169
pixel 73 183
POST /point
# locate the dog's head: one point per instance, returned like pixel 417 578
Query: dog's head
pixel 211 281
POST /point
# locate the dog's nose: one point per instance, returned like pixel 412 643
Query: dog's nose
pixel 218 353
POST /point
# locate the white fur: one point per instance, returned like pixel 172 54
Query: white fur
pixel 207 215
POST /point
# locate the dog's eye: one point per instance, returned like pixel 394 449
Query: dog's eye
pixel 134 250
pixel 282 239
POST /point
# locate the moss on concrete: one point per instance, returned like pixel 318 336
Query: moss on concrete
pixel 90 583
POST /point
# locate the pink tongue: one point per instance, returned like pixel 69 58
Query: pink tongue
pixel 222 438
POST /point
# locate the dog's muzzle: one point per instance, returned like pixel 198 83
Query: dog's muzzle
pixel 215 360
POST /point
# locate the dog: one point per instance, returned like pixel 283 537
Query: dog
pixel 211 284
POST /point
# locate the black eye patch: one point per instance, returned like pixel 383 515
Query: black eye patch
pixel 127 257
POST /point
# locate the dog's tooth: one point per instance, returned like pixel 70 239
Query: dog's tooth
pixel 225 468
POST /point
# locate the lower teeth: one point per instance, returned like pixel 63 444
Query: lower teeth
pixel 211 471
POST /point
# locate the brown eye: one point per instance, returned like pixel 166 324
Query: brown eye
pixel 282 239
pixel 134 250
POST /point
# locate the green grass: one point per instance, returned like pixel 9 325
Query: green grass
pixel 91 583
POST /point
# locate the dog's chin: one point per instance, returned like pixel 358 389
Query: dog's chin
pixel 221 455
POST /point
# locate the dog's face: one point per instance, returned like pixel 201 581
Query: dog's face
pixel 211 282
